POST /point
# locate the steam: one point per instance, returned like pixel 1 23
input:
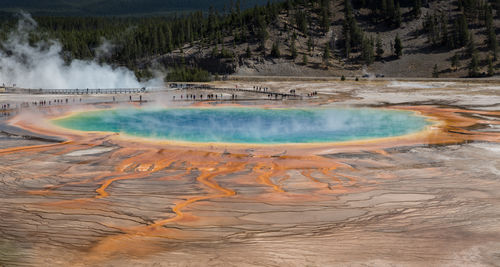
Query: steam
pixel 366 73
pixel 419 85
pixel 250 124
pixel 41 65
pixel 105 50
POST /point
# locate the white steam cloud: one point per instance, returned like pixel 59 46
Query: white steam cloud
pixel 41 65
pixel 105 49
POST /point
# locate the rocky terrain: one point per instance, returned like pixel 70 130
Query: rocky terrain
pixel 418 60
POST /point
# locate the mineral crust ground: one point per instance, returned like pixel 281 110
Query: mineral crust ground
pixel 70 198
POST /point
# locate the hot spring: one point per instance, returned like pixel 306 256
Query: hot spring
pixel 250 125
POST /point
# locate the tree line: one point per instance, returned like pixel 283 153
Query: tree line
pixel 136 41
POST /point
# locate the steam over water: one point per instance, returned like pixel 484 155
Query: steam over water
pixel 41 65
pixel 250 125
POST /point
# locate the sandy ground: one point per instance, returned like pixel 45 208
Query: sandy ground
pixel 431 199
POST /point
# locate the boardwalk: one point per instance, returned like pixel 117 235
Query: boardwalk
pixel 271 94
pixel 75 91
pixel 58 97
pixel 110 91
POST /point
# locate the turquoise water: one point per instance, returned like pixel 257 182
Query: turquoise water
pixel 250 125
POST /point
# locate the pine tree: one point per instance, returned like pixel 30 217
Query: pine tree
pixel 248 52
pixel 289 7
pixel 379 48
pixel 304 59
pixel 452 41
pixel 390 9
pixel 215 52
pixel 293 49
pixel 212 21
pixel 444 32
pixel 310 44
pixel 430 28
pixel 353 35
pixel 367 51
pixel 398 47
pixel 383 7
pixel 493 43
pixel 435 71
pixel 491 40
pixel 263 39
pixel 301 21
pixel 491 71
pixel 417 4
pixel 463 30
pixel 325 21
pixel 275 50
pixel 471 47
pixel 162 41
pixel 455 62
pixel 488 17
pixel 474 66
pixel 347 39
pixel 326 55
pixel 397 15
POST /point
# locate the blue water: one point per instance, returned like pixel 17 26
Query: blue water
pixel 250 125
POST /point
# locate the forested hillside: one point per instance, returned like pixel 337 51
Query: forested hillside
pixel 294 37
pixel 118 7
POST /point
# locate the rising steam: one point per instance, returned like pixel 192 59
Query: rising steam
pixel 41 65
pixel 249 125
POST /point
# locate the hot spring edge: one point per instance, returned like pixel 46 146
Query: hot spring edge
pixel 249 125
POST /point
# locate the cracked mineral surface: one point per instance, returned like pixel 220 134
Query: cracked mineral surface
pixel 102 199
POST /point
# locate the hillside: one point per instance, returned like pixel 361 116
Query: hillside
pixel 423 49
pixel 394 38
pixel 117 7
